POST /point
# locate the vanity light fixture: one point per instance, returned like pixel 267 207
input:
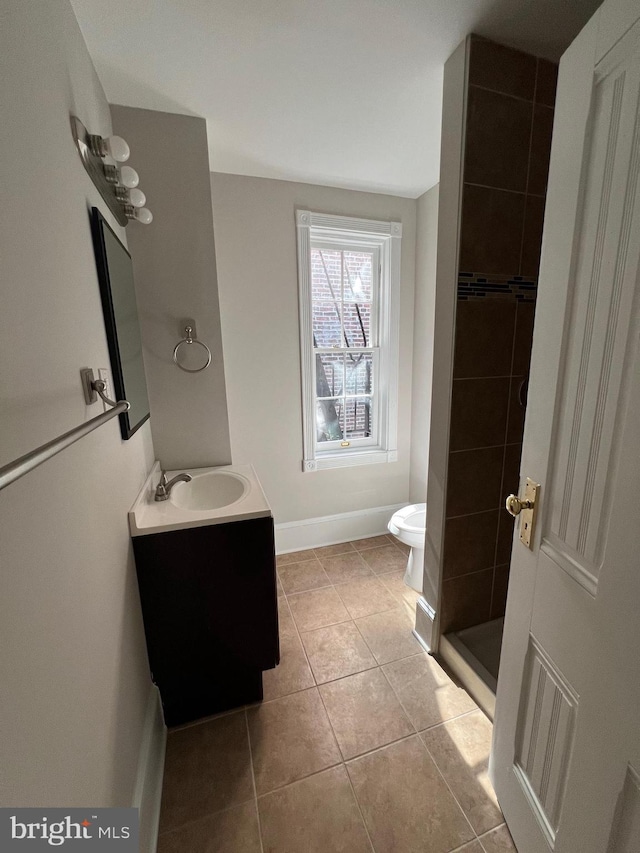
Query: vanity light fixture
pixel 117 184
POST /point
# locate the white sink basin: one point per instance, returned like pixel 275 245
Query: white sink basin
pixel 213 490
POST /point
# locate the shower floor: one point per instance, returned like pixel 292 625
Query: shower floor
pixel 484 642
pixel 474 656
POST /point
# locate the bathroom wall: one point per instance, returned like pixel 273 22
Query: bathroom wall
pixel 509 119
pixel 258 283
pixel 175 269
pixel 73 665
pixel 423 332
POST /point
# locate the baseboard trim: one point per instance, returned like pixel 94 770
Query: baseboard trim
pixel 148 790
pixel 333 529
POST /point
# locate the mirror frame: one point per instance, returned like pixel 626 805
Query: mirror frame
pixel 98 224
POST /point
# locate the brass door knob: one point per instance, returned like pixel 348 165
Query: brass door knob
pixel 515 505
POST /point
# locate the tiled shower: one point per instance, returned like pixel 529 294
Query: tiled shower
pixel 509 119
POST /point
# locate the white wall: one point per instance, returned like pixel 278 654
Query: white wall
pixel 73 664
pixel 423 329
pixel 258 286
pixel 174 262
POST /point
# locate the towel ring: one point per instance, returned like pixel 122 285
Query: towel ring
pixel 189 339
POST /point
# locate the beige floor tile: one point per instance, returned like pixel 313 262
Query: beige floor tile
pixel 280 589
pixel 316 815
pixel 365 596
pixel 337 651
pixel 406 549
pixel 405 803
pixel 234 830
pixel 207 769
pixel 290 738
pixel 300 577
pixel 498 841
pixel 364 712
pixel 385 559
pixel 371 542
pixel 292 673
pixel 345 567
pixel 406 597
pixel 461 749
pixel 388 635
pixel 332 550
pixel 294 557
pixel 317 608
pixel 472 847
pixel 286 625
pixel 426 692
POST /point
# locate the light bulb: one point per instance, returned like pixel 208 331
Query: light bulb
pixel 129 177
pixel 137 198
pixel 117 148
pixel 143 215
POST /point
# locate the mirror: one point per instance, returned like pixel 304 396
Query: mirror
pixel 115 274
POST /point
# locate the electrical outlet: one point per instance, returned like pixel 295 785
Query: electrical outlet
pixel 104 374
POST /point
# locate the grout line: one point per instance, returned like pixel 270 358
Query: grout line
pixel 508 94
pixel 253 780
pixel 475 834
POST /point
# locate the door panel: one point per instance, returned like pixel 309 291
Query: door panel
pixel 567 725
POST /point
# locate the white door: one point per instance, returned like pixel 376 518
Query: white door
pixel 566 755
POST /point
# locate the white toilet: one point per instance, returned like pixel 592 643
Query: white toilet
pixel 409 525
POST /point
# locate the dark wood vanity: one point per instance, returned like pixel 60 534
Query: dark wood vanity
pixel 209 603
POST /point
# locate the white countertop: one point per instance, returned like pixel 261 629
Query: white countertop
pixel 148 516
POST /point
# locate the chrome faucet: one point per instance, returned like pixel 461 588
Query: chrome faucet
pixel 163 489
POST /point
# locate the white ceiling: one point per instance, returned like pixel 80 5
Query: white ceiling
pixel 339 92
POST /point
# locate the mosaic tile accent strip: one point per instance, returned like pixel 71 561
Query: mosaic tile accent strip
pixel 518 288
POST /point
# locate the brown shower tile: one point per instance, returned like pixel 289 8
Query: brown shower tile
pixel 426 692
pixel 345 567
pixel 470 543
pixel 364 712
pixel 546 82
pixel 337 651
pixel 484 338
pixel 292 673
pixel 299 577
pixel 317 608
pixel 500 587
pixel 385 559
pixel 511 473
pixel 540 150
pixel 389 635
pixel 207 769
pixel 466 601
pixel 290 738
pixel 405 802
pixel 525 317
pixel 332 550
pixel 497 140
pixel 517 398
pixel 474 479
pixel 491 230
pixel 461 748
pixel 365 596
pixel 502 68
pixel 293 557
pixel 234 830
pixel 506 524
pixel 498 841
pixel 532 236
pixel 478 412
pixel 315 815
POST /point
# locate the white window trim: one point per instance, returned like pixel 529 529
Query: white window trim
pixel 386 236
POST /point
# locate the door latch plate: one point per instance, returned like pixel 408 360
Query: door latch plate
pixel 528 514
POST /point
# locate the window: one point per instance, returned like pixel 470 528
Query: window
pixel 349 276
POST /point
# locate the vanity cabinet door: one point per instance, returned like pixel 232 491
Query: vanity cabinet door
pixel 209 604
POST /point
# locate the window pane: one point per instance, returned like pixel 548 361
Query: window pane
pixel 329 415
pixel 327 331
pixel 359 369
pixel 329 374
pixel 357 324
pixel 326 274
pixel 359 418
pixel 358 276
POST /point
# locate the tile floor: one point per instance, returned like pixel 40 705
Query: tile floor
pixel 362 743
